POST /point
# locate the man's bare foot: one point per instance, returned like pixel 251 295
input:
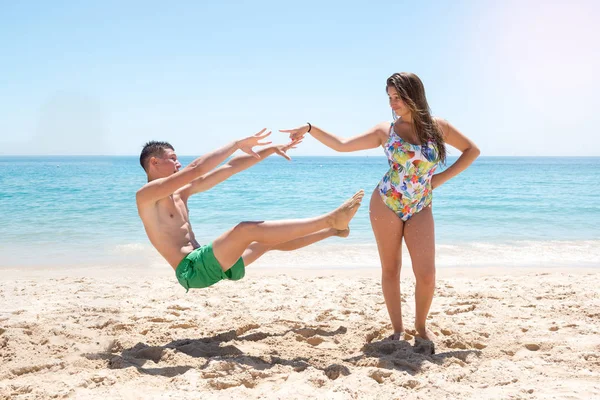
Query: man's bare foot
pixel 342 233
pixel 341 216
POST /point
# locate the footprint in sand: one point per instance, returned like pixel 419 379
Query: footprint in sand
pixel 463 303
pixel 310 332
pixel 459 310
pixel 245 328
pixel 224 384
pixel 376 334
pixel 379 375
pixel 144 352
pixel 97 381
pixel 591 357
pixel 178 308
pixel 102 323
pixel 315 340
pixel 123 327
pixel 255 337
pixel 29 369
pixel 20 390
pixel 159 319
pixel 410 384
pixel 183 326
pixel 325 316
pixel 455 343
pixel 226 374
pixel 532 346
pixel 335 370
pixel 207 350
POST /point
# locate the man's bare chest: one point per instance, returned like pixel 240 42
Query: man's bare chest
pixel 172 208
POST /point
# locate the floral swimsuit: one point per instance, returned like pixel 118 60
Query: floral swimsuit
pixel 406 187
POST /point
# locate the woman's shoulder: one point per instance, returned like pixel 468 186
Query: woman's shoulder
pixel 383 128
pixel 439 120
pixel 442 123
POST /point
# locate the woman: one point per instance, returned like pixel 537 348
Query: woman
pixel 400 205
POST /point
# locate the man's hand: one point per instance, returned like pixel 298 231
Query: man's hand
pixel 248 143
pixel 282 149
pixel 296 133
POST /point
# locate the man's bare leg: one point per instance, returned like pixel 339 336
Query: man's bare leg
pixel 256 249
pixel 230 246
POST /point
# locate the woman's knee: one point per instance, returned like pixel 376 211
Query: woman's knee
pixel 391 271
pixel 425 276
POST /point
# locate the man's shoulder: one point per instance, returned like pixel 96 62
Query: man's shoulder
pixel 142 195
pixel 142 201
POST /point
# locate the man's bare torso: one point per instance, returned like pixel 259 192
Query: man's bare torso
pixel 167 224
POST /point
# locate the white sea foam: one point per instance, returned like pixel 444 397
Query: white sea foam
pixel 517 254
pixel 584 253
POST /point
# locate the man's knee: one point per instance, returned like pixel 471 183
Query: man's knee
pixel 246 226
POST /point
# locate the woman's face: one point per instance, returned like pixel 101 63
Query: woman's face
pixel 396 102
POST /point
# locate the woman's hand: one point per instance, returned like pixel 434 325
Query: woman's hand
pixel 296 133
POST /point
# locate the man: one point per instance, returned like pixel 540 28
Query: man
pixel 162 206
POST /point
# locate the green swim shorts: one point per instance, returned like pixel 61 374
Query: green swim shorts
pixel 200 269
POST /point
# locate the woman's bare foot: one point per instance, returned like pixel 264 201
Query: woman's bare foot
pixel 341 216
pixel 342 233
pixel 426 334
pixel 397 336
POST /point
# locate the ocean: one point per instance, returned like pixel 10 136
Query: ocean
pixel 503 211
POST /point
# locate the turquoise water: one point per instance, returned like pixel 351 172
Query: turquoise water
pixel 81 210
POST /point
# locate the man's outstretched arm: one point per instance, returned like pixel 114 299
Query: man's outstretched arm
pixel 233 166
pixel 160 188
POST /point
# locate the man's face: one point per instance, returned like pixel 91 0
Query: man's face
pixel 168 164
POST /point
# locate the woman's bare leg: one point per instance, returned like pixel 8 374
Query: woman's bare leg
pixel 420 241
pixel 388 229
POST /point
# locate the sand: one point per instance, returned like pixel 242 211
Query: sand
pixel 120 333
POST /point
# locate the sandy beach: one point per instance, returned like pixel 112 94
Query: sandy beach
pixel 118 333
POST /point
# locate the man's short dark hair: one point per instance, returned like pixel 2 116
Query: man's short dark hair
pixel 153 149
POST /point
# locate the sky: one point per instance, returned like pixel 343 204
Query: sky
pixel 520 78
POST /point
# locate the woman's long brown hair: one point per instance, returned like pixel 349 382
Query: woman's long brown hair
pixel 412 92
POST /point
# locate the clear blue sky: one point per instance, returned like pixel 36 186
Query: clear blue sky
pixel 103 77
